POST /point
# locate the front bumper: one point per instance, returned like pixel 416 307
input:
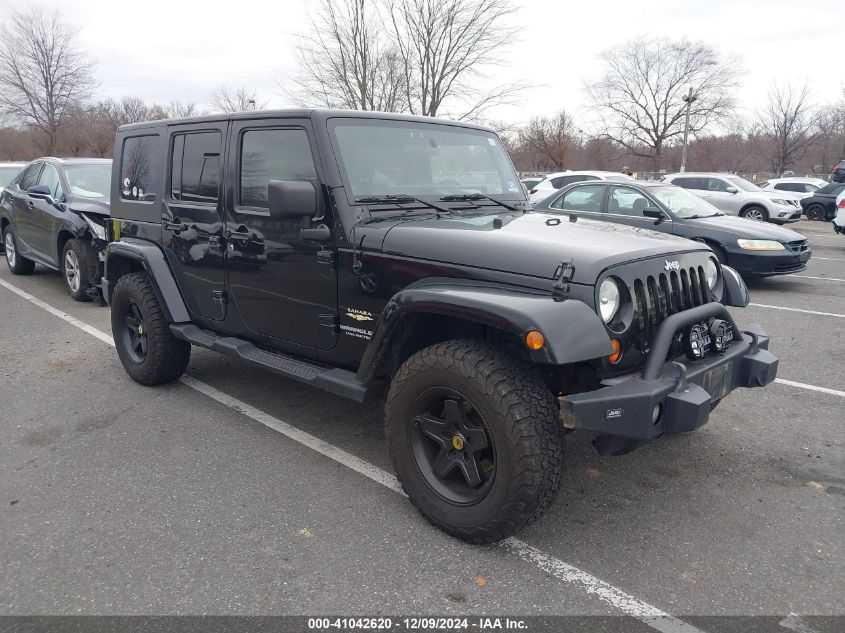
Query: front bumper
pixel 673 397
pixel 784 214
pixel 767 263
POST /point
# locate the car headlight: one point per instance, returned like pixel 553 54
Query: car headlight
pixel 608 300
pixel 780 201
pixel 760 245
pixel 711 271
pixel 98 230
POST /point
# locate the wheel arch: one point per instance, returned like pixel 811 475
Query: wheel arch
pixel 131 255
pixel 438 310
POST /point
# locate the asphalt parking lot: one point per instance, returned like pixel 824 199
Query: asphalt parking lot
pixel 119 499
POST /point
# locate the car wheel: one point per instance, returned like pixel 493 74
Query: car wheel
pixel 755 212
pixel 475 439
pixel 18 264
pixel 150 354
pixel 76 269
pixel 815 212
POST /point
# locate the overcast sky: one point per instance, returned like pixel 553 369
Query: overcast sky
pixel 163 50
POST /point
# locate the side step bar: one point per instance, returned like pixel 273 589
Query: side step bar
pixel 337 381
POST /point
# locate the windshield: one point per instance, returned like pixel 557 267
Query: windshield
pixel 89 181
pixel 683 203
pixel 7 173
pixel 380 158
pixel 742 183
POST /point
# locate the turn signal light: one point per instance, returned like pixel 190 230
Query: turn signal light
pixel 534 340
pixel 616 356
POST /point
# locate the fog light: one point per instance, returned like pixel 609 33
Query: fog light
pixel 697 341
pixel 721 334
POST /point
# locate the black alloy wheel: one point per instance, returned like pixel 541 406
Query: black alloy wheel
pixel 135 333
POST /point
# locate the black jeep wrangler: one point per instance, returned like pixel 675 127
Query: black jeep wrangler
pixel 355 251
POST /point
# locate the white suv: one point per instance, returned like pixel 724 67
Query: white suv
pixel 735 195
pixel 553 182
pixel 804 187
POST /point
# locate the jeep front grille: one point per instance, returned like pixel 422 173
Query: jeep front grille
pixel 657 297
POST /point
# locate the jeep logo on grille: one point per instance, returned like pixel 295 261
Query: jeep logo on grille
pixel 672 265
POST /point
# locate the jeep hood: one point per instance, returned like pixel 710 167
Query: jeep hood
pixel 531 244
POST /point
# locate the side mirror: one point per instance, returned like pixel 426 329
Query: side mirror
pixel 732 190
pixel 654 212
pixel 292 198
pixel 41 192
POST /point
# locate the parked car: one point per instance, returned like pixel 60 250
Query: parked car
pixel 7 172
pixel 530 183
pixel 754 249
pixel 822 204
pixel 553 182
pixel 803 187
pixel 54 213
pixel 838 174
pixel 736 196
pixel 839 218
pixel 421 270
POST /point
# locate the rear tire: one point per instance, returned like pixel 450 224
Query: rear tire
pixel 76 269
pixel 755 212
pixel 465 407
pixel 815 212
pixel 18 264
pixel 150 354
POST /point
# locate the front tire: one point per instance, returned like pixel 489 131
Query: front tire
pixel 756 213
pixel 150 354
pixel 475 439
pixel 17 263
pixel 76 269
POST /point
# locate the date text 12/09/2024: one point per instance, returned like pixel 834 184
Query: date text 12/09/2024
pixel 417 624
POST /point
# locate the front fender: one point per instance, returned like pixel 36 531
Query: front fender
pixel 150 258
pixel 572 330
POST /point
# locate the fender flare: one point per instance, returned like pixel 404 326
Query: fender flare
pixel 154 263
pixel 573 331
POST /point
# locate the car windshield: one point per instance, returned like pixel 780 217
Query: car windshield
pixel 742 183
pixel 89 181
pixel 7 173
pixel 382 158
pixel 682 203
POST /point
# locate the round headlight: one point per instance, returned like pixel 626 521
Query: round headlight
pixel 711 270
pixel 608 300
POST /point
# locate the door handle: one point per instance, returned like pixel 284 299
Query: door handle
pixel 242 233
pixel 176 227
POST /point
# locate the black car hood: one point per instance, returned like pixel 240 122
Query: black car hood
pixel 526 244
pixel 86 205
pixel 745 229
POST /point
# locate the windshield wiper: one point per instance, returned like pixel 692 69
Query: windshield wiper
pixel 400 198
pixel 468 197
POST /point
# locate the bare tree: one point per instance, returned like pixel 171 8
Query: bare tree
pixel 640 95
pixel 225 99
pixel 180 109
pixel 43 73
pixel 789 124
pixel 445 47
pixel 347 60
pixel 552 138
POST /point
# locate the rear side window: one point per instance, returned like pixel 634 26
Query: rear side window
pixel 195 167
pixel 790 186
pixel 691 183
pixel 587 198
pixel 269 154
pixel 27 179
pixel 138 168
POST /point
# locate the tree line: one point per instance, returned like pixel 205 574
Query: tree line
pixel 440 58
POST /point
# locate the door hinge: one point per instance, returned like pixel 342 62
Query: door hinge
pixel 220 298
pixel 330 321
pixel 563 275
pixel 326 257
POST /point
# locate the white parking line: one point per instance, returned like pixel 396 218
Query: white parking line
pixel 820 278
pixel 648 614
pixel 631 606
pixel 764 305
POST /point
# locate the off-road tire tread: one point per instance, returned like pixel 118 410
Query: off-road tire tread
pixel 536 437
pixel 167 357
